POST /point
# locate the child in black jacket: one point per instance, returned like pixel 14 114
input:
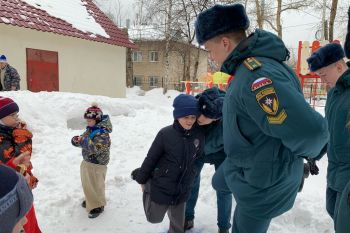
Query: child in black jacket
pixel 167 173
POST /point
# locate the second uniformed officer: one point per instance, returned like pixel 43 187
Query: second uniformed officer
pixel 268 126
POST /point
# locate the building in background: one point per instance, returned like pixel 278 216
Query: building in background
pixel 149 60
pixel 66 45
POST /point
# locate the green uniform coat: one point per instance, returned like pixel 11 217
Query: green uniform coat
pixel 337 115
pixel 268 127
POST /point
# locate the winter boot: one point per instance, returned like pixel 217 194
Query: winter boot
pixel 188 224
pixel 96 212
pixel 83 204
pixel 223 231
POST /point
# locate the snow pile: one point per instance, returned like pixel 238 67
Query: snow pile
pixel 55 117
pixel 71 11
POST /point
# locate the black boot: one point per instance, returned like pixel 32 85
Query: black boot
pixel 96 212
pixel 188 224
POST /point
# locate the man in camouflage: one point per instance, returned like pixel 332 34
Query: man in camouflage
pixel 9 77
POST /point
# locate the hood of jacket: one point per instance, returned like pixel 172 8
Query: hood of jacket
pixel 259 44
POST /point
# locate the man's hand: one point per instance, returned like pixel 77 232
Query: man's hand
pixel 13 88
pixel 23 158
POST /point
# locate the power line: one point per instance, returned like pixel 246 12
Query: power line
pixel 317 17
pixel 305 24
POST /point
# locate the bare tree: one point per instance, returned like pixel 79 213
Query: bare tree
pixel 168 25
pixel 283 7
pixel 188 12
pixel 332 16
pixel 113 9
pixel 260 9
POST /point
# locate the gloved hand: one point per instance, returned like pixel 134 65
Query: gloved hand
pixel 313 167
pixel 134 173
pixel 75 140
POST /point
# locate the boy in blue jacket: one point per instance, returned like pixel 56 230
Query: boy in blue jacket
pixel 95 143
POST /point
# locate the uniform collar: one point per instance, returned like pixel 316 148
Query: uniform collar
pixel 343 82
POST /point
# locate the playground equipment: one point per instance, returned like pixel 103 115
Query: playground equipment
pixel 315 91
pixel 218 79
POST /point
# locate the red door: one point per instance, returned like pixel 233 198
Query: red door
pixel 42 70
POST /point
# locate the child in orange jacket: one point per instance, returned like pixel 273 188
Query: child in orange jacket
pixel 15 150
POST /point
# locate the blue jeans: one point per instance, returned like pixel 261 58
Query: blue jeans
pixel 223 199
pixel 242 222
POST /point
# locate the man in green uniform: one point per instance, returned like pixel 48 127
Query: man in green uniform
pixel 329 64
pixel 268 126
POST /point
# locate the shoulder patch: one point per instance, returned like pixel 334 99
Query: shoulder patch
pixel 268 101
pixel 279 119
pixel 260 82
pixel 252 63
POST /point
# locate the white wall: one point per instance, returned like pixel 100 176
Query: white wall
pixel 84 66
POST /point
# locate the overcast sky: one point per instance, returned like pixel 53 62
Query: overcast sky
pixel 297 26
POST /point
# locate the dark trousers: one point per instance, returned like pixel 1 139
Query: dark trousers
pixel 155 212
pixel 342 224
pixel 223 199
pixel 242 222
pixel 332 203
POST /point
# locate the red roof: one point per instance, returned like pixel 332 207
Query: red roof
pixel 19 13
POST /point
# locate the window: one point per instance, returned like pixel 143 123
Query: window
pixel 138 80
pixel 137 56
pixel 153 56
pixel 153 81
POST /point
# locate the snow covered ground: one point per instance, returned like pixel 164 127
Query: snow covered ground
pixel 55 117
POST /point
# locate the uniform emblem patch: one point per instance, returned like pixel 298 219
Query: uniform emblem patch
pixel 260 82
pixel 268 100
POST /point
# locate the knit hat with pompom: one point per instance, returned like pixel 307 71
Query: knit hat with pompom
pixel 93 112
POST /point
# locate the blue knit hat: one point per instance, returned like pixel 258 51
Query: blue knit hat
pixel 220 19
pixel 324 56
pixel 185 105
pixel 210 102
pixel 3 58
pixel 16 199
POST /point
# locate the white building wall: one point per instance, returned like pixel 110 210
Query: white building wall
pixel 84 66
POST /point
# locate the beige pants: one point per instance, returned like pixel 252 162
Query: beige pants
pixel 93 178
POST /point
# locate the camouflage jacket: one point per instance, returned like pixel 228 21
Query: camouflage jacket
pixel 11 78
pixel 13 142
pixel 95 142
